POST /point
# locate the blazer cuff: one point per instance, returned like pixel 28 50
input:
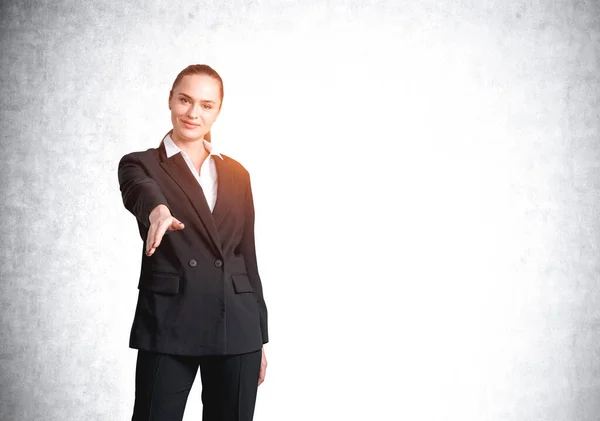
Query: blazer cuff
pixel 263 327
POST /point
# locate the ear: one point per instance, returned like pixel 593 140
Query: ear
pixel 170 96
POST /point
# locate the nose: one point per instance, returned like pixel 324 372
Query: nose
pixel 193 111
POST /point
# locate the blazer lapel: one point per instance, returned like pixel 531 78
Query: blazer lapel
pixel 225 191
pixel 178 170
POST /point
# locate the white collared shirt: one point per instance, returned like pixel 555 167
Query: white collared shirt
pixel 207 178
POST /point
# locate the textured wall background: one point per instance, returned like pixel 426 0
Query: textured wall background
pixel 426 178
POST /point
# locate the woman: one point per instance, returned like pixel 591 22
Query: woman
pixel 200 302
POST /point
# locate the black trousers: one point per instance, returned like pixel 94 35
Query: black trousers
pixel 163 383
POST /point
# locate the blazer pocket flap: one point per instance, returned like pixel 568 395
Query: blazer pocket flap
pixel 161 283
pixel 241 283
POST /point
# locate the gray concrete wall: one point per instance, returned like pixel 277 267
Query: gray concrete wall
pixel 426 176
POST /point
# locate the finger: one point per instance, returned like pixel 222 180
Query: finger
pixel 160 232
pixel 262 373
pixel 150 240
pixel 154 238
pixel 151 246
pixel 155 235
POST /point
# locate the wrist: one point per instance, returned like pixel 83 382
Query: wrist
pixel 159 211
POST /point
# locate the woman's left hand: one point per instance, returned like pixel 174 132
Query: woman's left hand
pixel 263 368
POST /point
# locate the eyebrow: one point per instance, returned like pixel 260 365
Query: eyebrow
pixel 202 100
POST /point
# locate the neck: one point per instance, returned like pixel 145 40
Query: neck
pixel 192 147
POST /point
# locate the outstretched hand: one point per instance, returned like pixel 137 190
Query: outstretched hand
pixel 161 221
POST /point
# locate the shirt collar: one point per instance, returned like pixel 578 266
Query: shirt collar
pixel 171 148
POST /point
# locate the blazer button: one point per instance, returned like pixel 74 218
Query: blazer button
pixel 218 263
pixel 192 263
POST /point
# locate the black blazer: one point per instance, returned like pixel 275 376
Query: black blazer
pixel 200 292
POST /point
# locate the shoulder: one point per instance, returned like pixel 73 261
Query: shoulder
pixel 140 156
pixel 235 165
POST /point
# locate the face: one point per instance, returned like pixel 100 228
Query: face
pixel 195 103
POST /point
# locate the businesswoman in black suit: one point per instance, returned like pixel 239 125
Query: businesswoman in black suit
pixel 200 302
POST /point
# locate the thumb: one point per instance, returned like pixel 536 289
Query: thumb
pixel 177 224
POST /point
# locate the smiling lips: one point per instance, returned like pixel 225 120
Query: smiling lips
pixel 189 125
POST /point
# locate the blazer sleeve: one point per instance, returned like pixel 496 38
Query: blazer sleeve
pixel 140 192
pixel 248 250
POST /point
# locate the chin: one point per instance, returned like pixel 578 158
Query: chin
pixel 193 134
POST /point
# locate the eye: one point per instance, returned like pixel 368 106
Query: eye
pixel 184 100
pixel 207 106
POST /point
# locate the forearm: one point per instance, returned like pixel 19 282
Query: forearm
pixel 140 193
pixel 248 250
pixel 254 277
